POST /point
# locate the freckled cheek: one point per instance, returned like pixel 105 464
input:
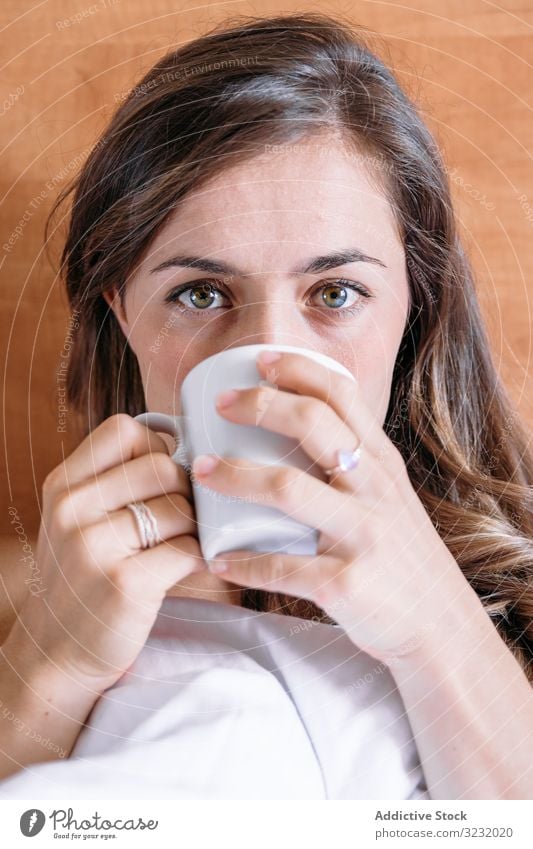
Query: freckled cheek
pixel 371 361
pixel 158 349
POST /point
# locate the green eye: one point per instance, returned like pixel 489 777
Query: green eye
pixel 334 295
pixel 341 298
pixel 201 296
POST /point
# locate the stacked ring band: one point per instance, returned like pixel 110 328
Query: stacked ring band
pixel 146 524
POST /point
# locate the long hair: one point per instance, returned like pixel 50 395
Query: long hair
pixel 217 101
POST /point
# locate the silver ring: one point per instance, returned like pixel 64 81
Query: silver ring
pixel 146 524
pixel 346 461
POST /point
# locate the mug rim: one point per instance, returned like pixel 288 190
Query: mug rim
pixel 339 367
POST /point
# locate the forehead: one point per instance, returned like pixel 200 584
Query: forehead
pixel 296 199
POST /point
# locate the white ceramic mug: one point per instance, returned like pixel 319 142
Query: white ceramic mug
pixel 225 522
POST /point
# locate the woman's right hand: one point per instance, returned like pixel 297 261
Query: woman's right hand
pixel 99 592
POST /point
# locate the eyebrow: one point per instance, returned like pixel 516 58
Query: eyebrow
pixel 314 265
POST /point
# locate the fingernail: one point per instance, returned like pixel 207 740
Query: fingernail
pixel 204 463
pixel 269 356
pixel 227 398
pixel 217 566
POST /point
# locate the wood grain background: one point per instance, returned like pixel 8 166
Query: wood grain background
pixel 468 65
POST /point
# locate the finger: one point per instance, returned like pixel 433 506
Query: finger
pixel 154 571
pixel 291 490
pixel 144 477
pixel 116 440
pixel 301 417
pixel 116 536
pixel 299 575
pixel 295 372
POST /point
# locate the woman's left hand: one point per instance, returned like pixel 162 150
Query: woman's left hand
pixel 381 569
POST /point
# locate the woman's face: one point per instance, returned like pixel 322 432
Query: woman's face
pixel 266 223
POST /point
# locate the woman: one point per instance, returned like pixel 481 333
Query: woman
pixel 271 183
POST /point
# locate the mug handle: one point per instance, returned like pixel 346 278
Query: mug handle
pixel 173 426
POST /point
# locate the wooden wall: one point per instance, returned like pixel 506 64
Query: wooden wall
pixel 466 64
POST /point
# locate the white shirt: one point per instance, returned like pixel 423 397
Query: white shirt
pixel 229 703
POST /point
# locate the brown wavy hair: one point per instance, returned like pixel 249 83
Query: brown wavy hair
pixel 218 100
